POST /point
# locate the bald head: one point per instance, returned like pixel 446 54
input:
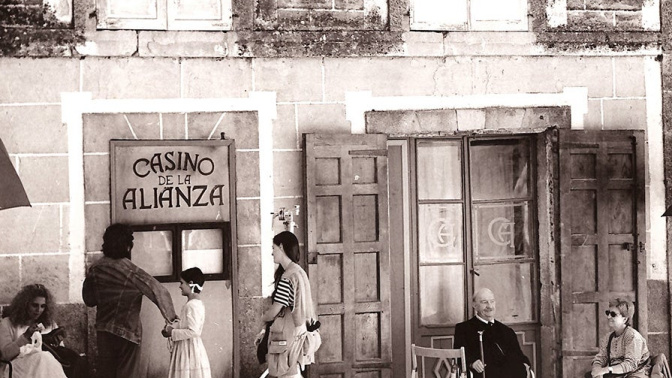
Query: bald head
pixel 483 302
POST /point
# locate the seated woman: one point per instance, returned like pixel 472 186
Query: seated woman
pixel 31 310
pixel 623 353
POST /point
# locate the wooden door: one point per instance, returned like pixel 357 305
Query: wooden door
pixel 602 231
pixel 348 253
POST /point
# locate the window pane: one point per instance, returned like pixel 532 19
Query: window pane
pixel 512 285
pixel 500 169
pixel 502 231
pixel 153 252
pixel 203 249
pixel 440 233
pixel 439 170
pixel 438 14
pixel 441 294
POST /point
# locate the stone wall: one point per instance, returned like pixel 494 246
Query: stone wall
pixel 311 97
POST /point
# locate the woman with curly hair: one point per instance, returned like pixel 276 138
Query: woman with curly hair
pixel 31 311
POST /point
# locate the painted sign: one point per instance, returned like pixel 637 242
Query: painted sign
pixel 170 181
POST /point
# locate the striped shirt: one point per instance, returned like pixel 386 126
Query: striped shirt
pixel 284 293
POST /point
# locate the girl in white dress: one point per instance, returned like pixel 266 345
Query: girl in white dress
pixel 188 358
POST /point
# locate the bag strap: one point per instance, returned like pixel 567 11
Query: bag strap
pixel 611 337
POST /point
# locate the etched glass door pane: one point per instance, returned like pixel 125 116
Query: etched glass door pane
pixel 502 231
pixel 500 169
pixel 512 285
pixel 440 233
pixel 441 294
pixel 153 252
pixel 439 170
pixel 203 249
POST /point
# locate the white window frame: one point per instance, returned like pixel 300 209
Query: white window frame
pixel 166 18
pixel 470 22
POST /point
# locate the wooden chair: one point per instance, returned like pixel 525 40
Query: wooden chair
pixel 441 367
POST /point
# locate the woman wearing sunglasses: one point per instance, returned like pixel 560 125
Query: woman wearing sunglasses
pixel 623 352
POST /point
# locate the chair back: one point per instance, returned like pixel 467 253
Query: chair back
pixel 436 363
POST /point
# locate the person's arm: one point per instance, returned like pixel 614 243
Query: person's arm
pixel 600 359
pixel 461 340
pixel 89 291
pixel 152 289
pixel 9 348
pixel 283 296
pixel 194 313
pixel 514 348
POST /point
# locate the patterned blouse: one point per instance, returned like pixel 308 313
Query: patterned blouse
pixel 628 350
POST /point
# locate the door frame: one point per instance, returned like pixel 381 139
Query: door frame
pixel 73 107
pixel 407 246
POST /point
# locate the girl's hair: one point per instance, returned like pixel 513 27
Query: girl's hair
pixel 193 275
pixel 625 307
pixel 290 244
pixel 18 310
pixel 117 240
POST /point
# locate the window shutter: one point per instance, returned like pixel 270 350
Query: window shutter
pixel 439 14
pixel 509 15
pixel 199 14
pixel 136 14
pixel 349 253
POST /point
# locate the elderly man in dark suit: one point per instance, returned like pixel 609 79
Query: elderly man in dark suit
pixel 502 354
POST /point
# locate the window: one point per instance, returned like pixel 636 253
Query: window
pixel 469 15
pixel 476 227
pixel 164 14
pixel 165 250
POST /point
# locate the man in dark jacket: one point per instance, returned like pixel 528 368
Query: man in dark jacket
pixel 503 356
pixel 116 286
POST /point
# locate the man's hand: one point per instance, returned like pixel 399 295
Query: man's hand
pixel 167 331
pixel 599 371
pixel 478 366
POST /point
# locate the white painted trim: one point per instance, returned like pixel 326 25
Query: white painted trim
pixel 71 116
pixel 656 186
pixel 74 105
pixel 358 103
pixel 267 113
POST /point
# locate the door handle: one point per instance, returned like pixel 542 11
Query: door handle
pixel 312 257
pixel 474 271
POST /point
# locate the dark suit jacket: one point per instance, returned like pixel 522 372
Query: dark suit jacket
pixel 503 356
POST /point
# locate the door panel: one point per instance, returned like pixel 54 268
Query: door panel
pixel 348 253
pixel 602 233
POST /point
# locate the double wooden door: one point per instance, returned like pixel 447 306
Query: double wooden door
pixel 587 186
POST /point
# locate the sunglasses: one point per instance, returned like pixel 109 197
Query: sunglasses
pixel 613 314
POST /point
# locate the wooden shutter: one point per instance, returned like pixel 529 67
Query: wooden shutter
pixel 135 14
pixel 602 234
pixel 348 252
pixel 199 14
